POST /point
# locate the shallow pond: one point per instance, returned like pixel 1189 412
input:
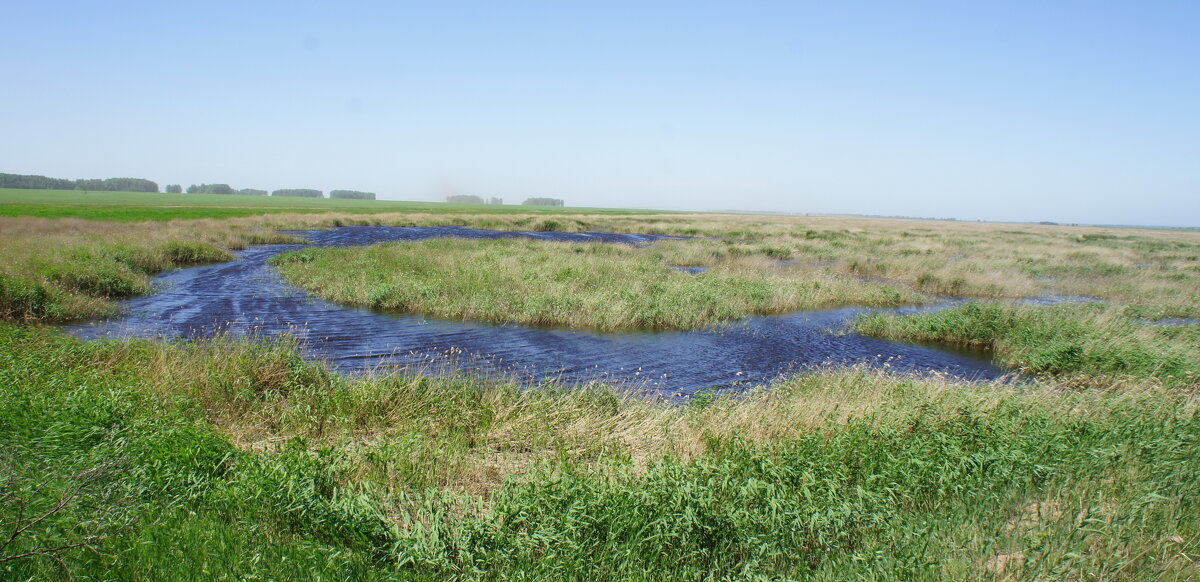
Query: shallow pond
pixel 249 296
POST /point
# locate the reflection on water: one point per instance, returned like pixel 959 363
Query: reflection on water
pixel 248 296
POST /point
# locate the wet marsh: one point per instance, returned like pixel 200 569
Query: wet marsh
pixel 246 456
pixel 578 285
pixel 249 296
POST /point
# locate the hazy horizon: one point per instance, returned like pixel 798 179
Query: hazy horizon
pixel 1074 113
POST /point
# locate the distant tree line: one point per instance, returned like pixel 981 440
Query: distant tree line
pixel 216 189
pixel 32 182
pixel 299 192
pixel 211 189
pixel 542 202
pixel 472 199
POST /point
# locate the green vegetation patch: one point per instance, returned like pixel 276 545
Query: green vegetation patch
pixel 237 459
pixel 594 286
pixel 68 270
pixel 1055 341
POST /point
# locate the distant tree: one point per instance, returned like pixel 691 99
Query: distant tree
pixel 211 189
pixel 352 194
pixel 542 202
pixel 299 192
pixel 174 189
pixel 464 199
pixel 495 200
pixel 252 192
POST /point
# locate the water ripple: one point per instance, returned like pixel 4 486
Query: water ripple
pixel 248 296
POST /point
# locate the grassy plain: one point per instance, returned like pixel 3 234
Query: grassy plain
pixel 579 285
pixel 139 206
pixel 238 459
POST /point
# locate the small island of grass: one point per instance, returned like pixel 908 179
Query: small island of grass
pixel 592 286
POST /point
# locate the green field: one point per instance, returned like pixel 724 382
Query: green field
pixel 233 458
pixel 135 206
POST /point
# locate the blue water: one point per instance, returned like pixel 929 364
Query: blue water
pixel 247 296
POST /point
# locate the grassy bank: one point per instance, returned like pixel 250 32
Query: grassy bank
pixel 239 459
pixel 1061 341
pixel 66 269
pixel 578 285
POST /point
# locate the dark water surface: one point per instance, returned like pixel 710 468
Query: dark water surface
pixel 249 296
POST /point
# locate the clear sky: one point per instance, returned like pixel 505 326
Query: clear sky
pixel 1084 111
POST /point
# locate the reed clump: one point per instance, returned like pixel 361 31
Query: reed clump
pixel 70 269
pixel 1059 341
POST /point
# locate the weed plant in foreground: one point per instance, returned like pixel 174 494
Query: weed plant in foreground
pixel 594 286
pixel 236 458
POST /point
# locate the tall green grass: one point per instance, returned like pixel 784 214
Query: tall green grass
pixel 594 286
pixel 1057 341
pixel 70 269
pixel 51 289
pixel 238 459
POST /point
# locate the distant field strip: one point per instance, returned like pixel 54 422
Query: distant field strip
pixel 136 206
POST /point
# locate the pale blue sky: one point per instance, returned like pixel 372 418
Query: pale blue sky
pixel 1065 111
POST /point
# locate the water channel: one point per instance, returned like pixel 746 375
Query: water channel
pixel 247 296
